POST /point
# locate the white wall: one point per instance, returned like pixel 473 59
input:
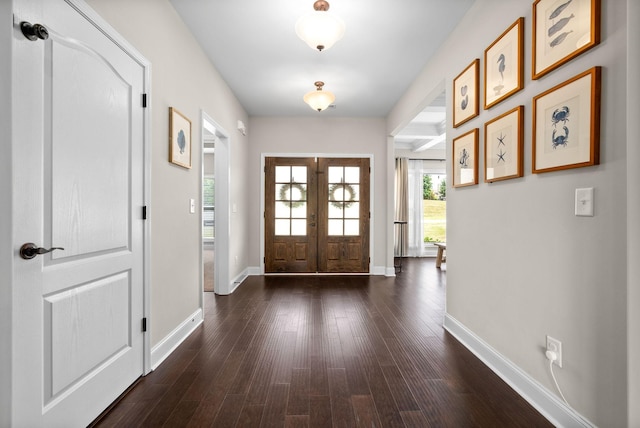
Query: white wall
pixel 182 77
pixel 6 195
pixel 301 136
pixel 520 265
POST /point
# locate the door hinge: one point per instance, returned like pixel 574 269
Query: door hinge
pixel 144 212
pixel 144 100
pixel 264 260
pixel 144 324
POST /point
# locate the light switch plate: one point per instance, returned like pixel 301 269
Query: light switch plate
pixel 584 202
pixel 192 206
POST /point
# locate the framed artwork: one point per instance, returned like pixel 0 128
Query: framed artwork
pixel 465 159
pixel 179 138
pixel 503 146
pixel 562 30
pixel 465 94
pixel 566 124
pixel 503 65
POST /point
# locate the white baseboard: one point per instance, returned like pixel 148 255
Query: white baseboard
pixel 538 396
pixel 167 345
pixel 375 270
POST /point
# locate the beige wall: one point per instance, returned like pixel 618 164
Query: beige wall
pixel 182 77
pixel 320 136
pixel 6 208
pixel 633 210
pixel 520 265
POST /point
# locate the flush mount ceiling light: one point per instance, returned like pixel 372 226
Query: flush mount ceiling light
pixel 319 99
pixel 320 29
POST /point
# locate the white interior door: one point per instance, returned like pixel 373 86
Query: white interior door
pixel 79 168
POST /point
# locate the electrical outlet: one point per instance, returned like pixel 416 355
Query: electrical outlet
pixel 555 345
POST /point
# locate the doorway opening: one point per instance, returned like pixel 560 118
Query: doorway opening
pixel 421 181
pixel 208 208
pixel 214 209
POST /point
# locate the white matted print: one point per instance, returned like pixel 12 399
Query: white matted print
pixel 503 65
pixel 465 94
pixel 465 159
pixel 503 143
pixel 562 30
pixel 566 124
pixel 179 138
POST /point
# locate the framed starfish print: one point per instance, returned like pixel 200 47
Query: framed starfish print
pixel 503 146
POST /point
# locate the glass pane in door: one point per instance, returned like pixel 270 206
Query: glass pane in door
pixel 291 200
pixel 344 196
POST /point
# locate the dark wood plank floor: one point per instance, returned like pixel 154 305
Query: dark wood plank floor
pixel 341 351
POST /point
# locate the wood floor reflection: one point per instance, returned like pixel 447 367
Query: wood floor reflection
pixel 341 351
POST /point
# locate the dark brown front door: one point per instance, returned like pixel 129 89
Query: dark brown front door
pixel 316 215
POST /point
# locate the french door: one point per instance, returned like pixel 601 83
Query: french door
pixel 316 215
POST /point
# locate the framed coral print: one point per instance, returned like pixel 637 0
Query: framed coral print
pixel 566 124
pixel 465 94
pixel 562 30
pixel 179 138
pixel 465 159
pixel 503 65
pixel 503 146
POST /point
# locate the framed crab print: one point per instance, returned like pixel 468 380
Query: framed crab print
pixel 503 146
pixel 503 65
pixel 465 159
pixel 562 30
pixel 179 138
pixel 466 94
pixel 566 124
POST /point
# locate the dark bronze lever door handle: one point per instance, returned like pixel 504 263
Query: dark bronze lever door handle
pixel 29 250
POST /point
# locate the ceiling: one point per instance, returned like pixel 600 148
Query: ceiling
pixel 254 46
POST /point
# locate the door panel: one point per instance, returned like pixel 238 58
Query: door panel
pixel 290 210
pixel 79 162
pixel 343 213
pixel 316 224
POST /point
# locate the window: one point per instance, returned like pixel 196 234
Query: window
pixel 434 206
pixel 208 208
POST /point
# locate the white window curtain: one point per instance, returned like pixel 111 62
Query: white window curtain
pixel 415 214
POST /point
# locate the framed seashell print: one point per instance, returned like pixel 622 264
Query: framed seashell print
pixel 466 94
pixel 562 30
pixel 179 138
pixel 503 65
pixel 566 124
pixel 465 159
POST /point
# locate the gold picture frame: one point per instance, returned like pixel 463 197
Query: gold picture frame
pixel 466 93
pixel 465 159
pixel 562 30
pixel 566 124
pixel 179 138
pixel 504 145
pixel 503 65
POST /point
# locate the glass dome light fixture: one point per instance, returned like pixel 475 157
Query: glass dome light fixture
pixel 319 99
pixel 320 29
